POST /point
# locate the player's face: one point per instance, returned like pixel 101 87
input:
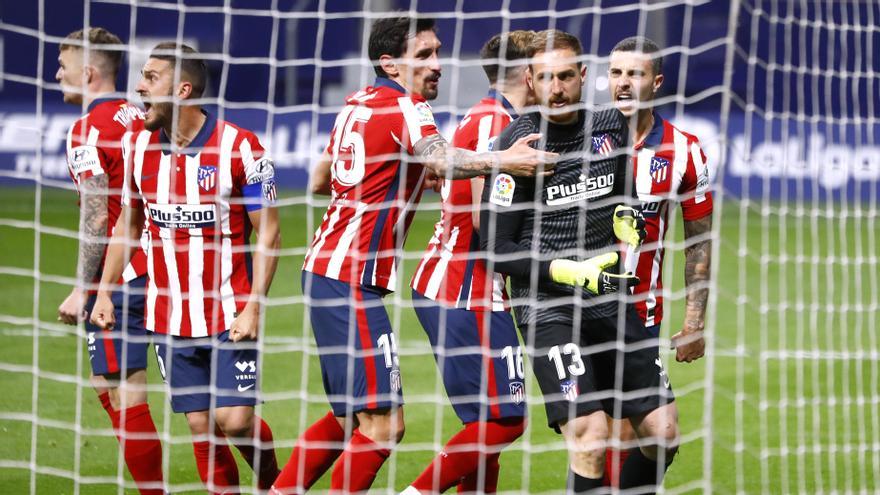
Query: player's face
pixel 70 74
pixel 631 81
pixel 155 90
pixel 557 81
pixel 420 64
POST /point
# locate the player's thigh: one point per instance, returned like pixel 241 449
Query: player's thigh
pixel 185 365
pixel 565 376
pixel 235 366
pixel 639 384
pixel 479 357
pixel 124 348
pixel 357 347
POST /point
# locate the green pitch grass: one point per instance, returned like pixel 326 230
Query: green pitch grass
pixel 791 404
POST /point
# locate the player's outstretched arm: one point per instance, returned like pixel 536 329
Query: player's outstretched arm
pixel 689 342
pixel 265 261
pixel 319 179
pixel 455 163
pixel 92 232
pixel 126 236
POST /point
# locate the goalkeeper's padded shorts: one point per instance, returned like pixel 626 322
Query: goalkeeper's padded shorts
pixel 193 367
pixel 123 348
pixel 356 345
pixel 576 368
pixel 480 359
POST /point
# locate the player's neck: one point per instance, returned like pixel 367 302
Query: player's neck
pixel 644 124
pixel 96 93
pixel 189 123
pixel 517 97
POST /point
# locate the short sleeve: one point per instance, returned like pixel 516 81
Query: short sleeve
pixel 695 185
pixel 258 179
pixel 84 158
pixel 418 121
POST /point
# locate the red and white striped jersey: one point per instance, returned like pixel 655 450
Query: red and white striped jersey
pixel 374 187
pixel 669 168
pixel 93 148
pixel 196 203
pixel 452 272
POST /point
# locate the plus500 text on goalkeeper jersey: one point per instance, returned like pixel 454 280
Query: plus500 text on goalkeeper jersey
pixel 669 167
pixel 451 271
pixel 374 186
pixel 567 214
pixel 93 149
pixel 196 204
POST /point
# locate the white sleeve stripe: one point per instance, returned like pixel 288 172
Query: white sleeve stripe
pixel 700 169
pixel 411 117
pixel 247 154
pixel 94 134
pixel 680 160
pixel 483 134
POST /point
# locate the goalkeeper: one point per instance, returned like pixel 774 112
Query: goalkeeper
pixel 572 333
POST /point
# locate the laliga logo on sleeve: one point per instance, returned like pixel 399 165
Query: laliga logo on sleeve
pixel 502 190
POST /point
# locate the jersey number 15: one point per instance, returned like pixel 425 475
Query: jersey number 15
pixel 349 156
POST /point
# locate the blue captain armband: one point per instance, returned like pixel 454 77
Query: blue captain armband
pixel 260 194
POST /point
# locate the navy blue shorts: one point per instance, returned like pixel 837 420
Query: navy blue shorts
pixel 193 367
pixel 123 348
pixel 356 345
pixel 654 330
pixel 479 357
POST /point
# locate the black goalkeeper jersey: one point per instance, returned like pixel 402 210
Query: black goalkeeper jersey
pixel 528 222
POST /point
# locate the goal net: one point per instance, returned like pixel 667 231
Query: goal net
pixel 783 96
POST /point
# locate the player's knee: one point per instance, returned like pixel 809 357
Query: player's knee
pixel 382 427
pixel 586 438
pixel 199 422
pixel 235 422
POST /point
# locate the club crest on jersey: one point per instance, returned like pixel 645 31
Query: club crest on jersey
pixel 394 379
pixel 517 393
pixel 602 145
pixel 269 191
pixel 502 190
pixel 570 390
pixel 659 168
pixel 207 176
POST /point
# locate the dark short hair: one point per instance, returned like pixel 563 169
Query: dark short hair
pixel 388 37
pixel 516 49
pixel 192 68
pixel 109 58
pixel 642 45
pixel 554 39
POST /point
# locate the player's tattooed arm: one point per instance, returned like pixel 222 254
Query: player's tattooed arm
pixel 92 231
pixel 454 163
pixel 697 253
pixel 92 226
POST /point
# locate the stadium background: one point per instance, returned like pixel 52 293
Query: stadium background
pixel 787 399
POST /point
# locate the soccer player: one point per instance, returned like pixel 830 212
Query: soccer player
pixel 669 168
pixel 382 145
pixel 202 184
pixel 538 230
pixel 463 308
pixel 88 63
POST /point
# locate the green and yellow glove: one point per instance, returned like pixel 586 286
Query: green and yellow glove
pixel 629 225
pixel 591 275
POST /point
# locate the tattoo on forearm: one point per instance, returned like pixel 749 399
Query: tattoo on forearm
pixel 93 227
pixel 697 270
pixel 440 156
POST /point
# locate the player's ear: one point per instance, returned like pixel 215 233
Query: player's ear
pixel 529 82
pixel 184 90
pixel 387 63
pixel 658 81
pixel 584 72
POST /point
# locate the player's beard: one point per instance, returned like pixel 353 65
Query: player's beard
pixel 430 91
pixel 158 116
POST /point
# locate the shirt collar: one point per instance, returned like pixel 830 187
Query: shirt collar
pixel 388 83
pixel 98 101
pixel 496 95
pixel 198 142
pixel 655 138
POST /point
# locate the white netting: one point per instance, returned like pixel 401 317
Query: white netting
pixel 783 96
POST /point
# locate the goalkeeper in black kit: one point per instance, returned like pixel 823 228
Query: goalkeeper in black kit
pixel 557 238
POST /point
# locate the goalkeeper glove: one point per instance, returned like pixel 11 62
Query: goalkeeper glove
pixel 591 275
pixel 629 225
